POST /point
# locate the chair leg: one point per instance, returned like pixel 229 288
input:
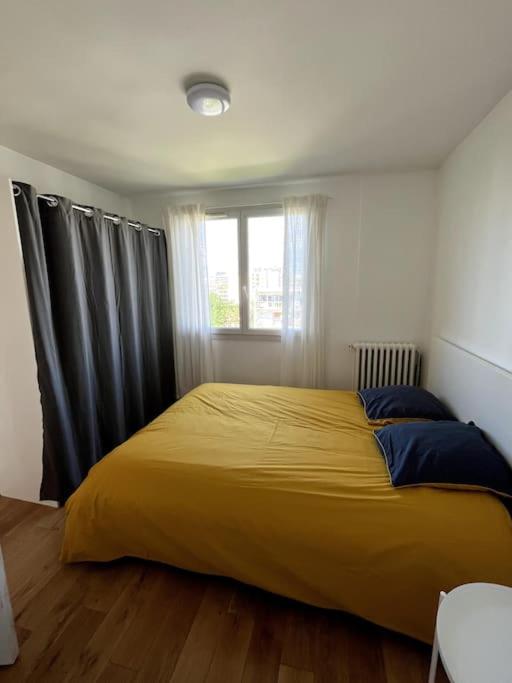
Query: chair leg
pixel 8 639
pixel 433 662
pixel 435 647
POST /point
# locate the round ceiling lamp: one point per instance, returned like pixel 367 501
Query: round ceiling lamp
pixel 208 99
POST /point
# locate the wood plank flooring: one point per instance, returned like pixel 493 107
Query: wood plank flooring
pixel 138 621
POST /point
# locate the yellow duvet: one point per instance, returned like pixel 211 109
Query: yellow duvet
pixel 286 489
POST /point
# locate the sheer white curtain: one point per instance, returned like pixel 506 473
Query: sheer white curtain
pixel 189 289
pixel 302 336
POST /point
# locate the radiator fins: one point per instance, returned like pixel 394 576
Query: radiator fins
pixel 379 364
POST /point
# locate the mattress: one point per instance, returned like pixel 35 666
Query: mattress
pixel 286 489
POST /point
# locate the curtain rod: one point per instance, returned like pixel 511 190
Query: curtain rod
pixel 212 209
pixel 53 201
pixel 248 205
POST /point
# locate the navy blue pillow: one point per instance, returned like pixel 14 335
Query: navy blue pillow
pixel 444 454
pixel 399 402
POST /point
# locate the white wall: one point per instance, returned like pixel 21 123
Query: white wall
pixel 47 179
pixel 471 366
pixel 20 409
pixel 380 246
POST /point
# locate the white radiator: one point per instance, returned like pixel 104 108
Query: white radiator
pixel 378 364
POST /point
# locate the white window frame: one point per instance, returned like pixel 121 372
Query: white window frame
pixel 242 214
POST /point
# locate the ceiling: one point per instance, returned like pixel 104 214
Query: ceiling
pixel 96 88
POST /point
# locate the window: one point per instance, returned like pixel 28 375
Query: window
pixel 265 243
pixel 245 251
pixel 223 279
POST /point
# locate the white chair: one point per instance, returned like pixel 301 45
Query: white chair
pixel 8 640
pixel 473 634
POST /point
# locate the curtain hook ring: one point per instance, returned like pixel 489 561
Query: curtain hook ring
pixel 16 190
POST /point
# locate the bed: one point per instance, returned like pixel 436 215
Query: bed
pixel 285 489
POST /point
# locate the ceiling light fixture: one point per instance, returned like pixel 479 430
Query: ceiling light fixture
pixel 208 99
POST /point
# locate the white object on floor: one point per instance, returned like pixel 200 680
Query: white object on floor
pixel 474 634
pixel 8 640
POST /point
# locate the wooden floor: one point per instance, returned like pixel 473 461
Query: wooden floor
pixel 138 621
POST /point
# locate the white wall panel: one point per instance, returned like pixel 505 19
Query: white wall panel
pixel 471 361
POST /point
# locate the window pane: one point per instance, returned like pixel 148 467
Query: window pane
pixel 265 235
pixel 222 256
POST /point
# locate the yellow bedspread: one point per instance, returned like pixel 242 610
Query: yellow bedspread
pixel 286 489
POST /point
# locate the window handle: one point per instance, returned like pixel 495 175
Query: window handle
pixel 245 292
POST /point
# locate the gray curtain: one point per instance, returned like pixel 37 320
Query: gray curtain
pixel 99 303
